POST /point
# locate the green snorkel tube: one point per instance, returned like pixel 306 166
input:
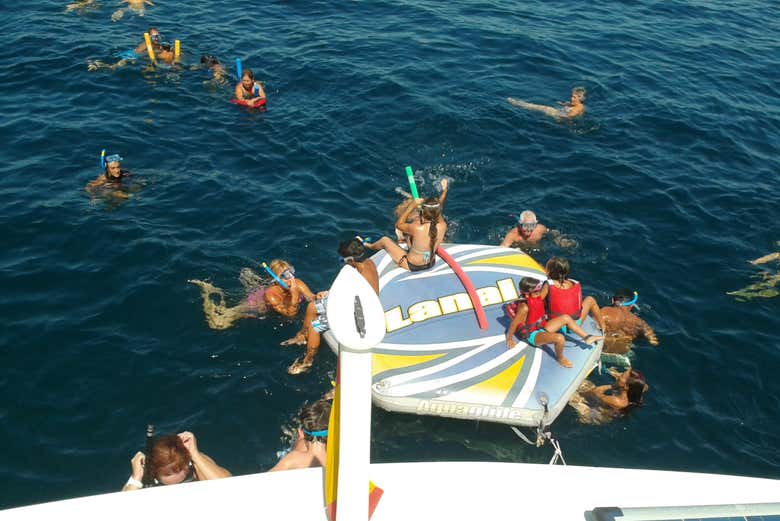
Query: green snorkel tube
pixel 272 274
pixel 412 184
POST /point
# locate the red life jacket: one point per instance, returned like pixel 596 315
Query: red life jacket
pixel 565 301
pixel 536 318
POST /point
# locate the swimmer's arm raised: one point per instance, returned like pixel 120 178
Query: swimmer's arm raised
pixel 401 223
pixel 443 197
pixel 207 468
pixel 616 402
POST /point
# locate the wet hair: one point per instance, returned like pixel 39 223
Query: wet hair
pixel 527 284
pixel 315 417
pixel 278 265
pixel 557 268
pixel 209 60
pixel 168 455
pixel 636 390
pixel 529 215
pixel 352 248
pixel 431 211
pixel 579 92
pixel 623 295
pixel 248 72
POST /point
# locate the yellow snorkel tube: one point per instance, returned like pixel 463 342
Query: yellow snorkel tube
pixel 176 51
pixel 149 48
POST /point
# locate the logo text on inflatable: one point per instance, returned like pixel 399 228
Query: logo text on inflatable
pixel 503 291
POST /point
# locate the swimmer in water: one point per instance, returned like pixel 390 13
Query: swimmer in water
pixel 315 322
pixel 600 405
pixel 622 326
pixel 248 90
pixel 162 53
pixel 81 6
pixel 530 321
pixel 766 286
pixel 310 448
pixel 287 301
pixel 425 234
pixel 219 315
pixel 567 110
pixel 218 72
pixel 137 6
pixel 110 181
pixel 173 459
pixel 529 232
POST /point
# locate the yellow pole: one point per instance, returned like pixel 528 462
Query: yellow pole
pixel 149 48
pixel 176 50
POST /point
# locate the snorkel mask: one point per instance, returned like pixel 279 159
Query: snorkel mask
pixel 527 227
pixel 104 160
pixel 288 273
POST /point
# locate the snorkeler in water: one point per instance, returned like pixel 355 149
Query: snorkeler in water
pixel 315 322
pixel 218 72
pixel 529 232
pixel 81 6
pixel 137 6
pixel 310 448
pixel 597 405
pixel 567 110
pixel 248 91
pixel 162 53
pixel 110 181
pixel 622 326
pixel 766 287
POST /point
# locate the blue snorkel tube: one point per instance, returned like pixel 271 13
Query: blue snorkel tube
pixel 103 159
pixel 272 274
pixel 631 302
pixel 239 70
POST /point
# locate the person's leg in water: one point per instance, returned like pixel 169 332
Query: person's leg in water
pixel 218 315
pixel 591 307
pixel 312 341
pixel 396 253
pixel 550 111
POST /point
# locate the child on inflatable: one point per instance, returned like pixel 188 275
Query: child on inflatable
pixel 529 320
pixel 565 295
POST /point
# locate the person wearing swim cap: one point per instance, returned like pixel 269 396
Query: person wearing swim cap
pixel 621 326
pixel 162 53
pixel 310 448
pixel 528 232
pixel 218 72
pixel 173 459
pixel 248 91
pixel 315 321
pixel 425 234
pixel 566 111
pixel 111 178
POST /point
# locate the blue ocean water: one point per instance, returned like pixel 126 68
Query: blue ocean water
pixel 669 184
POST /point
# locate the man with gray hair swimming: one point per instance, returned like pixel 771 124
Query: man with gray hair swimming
pixel 527 232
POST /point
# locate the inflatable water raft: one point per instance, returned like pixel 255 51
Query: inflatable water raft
pixel 436 360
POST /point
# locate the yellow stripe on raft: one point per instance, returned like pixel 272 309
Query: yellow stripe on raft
pixel 149 48
pixel 493 390
pixel 382 363
pixel 521 261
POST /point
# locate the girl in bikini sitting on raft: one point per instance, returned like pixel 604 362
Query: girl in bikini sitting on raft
pixel 567 110
pixel 425 233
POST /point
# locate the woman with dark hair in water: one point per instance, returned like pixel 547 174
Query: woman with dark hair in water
pixel 248 91
pixel 425 234
pixel 600 404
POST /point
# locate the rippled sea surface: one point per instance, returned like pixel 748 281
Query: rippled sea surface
pixel 669 184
